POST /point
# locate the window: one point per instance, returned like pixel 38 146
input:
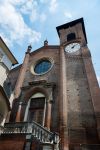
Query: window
pixel 71 36
pixel 36 110
pixel 42 66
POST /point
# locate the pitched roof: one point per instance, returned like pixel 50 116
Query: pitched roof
pixel 8 52
pixel 45 47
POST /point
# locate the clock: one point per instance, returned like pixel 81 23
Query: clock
pixel 72 47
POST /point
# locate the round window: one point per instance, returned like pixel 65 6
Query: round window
pixel 42 66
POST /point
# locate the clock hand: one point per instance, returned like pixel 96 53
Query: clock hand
pixel 74 46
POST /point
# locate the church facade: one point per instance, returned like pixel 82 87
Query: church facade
pixel 55 99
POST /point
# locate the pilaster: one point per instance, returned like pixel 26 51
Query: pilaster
pixel 20 81
pixel 63 102
pixel 22 72
pixel 48 115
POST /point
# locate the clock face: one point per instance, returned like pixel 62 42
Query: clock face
pixel 73 47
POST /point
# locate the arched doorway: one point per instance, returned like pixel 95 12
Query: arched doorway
pixel 36 109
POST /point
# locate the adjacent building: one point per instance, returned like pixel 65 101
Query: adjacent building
pixel 6 61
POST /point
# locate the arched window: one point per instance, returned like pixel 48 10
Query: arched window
pixel 71 36
pixel 36 109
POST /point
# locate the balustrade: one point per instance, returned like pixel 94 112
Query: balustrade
pixel 36 130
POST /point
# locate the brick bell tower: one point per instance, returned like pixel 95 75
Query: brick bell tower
pixel 79 103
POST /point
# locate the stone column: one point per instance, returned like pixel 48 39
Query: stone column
pixel 8 116
pixel 48 115
pixel 63 102
pixel 44 114
pixel 22 72
pixel 18 112
pixel 93 84
pixel 27 110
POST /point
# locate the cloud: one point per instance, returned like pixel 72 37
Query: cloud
pixel 33 15
pixel 43 17
pixel 44 1
pixel 12 25
pixel 31 8
pixel 15 2
pixel 53 6
pixel 68 15
pixel 28 7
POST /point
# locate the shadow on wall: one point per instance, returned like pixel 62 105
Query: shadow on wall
pixel 7 87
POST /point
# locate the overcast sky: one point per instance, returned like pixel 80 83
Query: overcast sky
pixel 24 22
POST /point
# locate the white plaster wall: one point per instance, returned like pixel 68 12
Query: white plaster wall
pixel 5 66
pixel 3 108
pixel 6 60
pixel 3 74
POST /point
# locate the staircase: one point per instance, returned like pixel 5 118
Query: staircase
pixel 34 129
